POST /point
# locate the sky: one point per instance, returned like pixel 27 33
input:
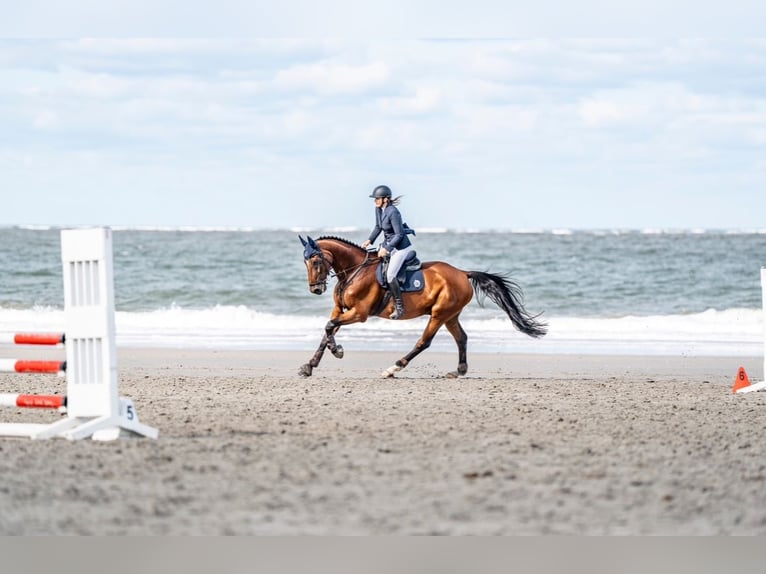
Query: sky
pixel 475 133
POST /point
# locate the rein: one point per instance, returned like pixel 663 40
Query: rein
pixel 356 269
pixel 332 274
pixel 340 288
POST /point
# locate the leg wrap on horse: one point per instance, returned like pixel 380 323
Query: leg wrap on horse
pixel 330 329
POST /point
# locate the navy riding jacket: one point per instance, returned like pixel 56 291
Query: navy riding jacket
pixel 389 221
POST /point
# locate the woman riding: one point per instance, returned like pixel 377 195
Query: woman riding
pixel 395 244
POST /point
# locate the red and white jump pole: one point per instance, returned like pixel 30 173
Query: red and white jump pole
pixel 33 339
pixel 24 366
pixel 32 401
pixel 27 366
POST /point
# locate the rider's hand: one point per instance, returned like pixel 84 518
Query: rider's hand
pixel 383 252
pixel 366 244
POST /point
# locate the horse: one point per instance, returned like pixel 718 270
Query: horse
pixel 447 290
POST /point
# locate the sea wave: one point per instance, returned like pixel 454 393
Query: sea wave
pixel 730 332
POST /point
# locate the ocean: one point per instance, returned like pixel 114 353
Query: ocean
pixel 651 291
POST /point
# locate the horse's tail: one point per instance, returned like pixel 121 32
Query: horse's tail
pixel 508 296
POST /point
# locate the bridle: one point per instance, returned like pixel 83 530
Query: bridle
pixel 326 266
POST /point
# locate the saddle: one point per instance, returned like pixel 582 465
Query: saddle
pixel 410 276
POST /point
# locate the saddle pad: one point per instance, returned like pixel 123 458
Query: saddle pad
pixel 410 280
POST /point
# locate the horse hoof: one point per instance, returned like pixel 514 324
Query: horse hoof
pixel 338 352
pixel 305 370
pixel 389 372
pixel 461 371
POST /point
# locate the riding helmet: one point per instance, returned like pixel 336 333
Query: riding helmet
pixel 381 191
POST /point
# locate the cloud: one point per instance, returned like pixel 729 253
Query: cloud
pixel 328 78
pixel 499 121
pixel 598 113
pixel 426 99
pixel 45 119
pixel 645 104
pixel 541 115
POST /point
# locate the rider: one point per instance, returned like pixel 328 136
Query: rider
pixel 396 244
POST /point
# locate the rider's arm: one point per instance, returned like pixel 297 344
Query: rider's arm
pixel 375 230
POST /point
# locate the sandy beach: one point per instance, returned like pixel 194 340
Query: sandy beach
pixel 525 444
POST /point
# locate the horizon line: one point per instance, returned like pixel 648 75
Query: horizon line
pixel 557 230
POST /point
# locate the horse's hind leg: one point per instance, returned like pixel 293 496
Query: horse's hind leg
pixel 423 343
pixel 454 327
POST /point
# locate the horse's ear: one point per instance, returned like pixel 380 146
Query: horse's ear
pixel 312 243
pixel 303 241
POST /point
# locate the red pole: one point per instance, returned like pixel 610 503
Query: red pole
pixel 39 338
pixel 41 401
pixel 40 366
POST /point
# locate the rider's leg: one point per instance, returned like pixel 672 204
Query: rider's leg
pixel 394 264
pixel 396 291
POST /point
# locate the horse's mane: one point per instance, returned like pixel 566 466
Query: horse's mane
pixel 346 241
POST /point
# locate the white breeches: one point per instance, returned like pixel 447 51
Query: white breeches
pixel 395 262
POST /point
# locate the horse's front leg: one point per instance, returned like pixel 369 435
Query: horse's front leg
pixel 307 368
pixel 337 319
pixel 329 335
pixel 328 340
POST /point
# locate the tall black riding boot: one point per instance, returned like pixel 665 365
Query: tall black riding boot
pixel 396 291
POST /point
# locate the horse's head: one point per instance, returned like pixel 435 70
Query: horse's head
pixel 317 266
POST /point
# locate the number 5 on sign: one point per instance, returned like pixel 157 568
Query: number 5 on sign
pixel 127 410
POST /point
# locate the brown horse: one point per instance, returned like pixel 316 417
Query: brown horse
pixel 447 291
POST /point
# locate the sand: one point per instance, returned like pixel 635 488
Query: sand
pixel 525 444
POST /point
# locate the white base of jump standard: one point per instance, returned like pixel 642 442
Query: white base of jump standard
pixel 752 387
pixel 123 425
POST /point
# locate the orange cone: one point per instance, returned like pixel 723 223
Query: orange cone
pixel 741 380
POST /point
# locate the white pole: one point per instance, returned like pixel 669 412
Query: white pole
pixel 763 295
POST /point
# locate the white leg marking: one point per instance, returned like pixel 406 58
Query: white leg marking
pixel 389 372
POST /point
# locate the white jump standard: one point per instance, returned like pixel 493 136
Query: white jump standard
pixel 762 385
pixel 93 405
